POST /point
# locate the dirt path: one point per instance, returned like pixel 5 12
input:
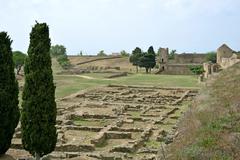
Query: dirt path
pixel 85 77
pixel 88 77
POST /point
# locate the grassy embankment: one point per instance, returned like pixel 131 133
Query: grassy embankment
pixel 210 130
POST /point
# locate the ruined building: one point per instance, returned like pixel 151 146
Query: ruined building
pixel 180 64
pixel 226 57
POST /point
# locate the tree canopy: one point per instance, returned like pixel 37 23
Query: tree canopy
pixel 101 53
pixel 135 57
pixel 59 51
pixel 39 111
pixel 9 112
pixel 19 59
pixel 123 53
pixel 172 54
pixel 148 60
pixel 212 57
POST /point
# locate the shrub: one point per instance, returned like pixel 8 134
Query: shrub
pixel 197 69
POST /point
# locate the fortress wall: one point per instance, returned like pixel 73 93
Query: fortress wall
pixel 190 58
pixel 178 69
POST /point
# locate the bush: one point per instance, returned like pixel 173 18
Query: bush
pixel 63 61
pixel 197 70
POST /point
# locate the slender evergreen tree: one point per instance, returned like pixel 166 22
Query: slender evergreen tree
pixel 39 107
pixel 9 112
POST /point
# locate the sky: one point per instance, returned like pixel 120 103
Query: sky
pixel 114 25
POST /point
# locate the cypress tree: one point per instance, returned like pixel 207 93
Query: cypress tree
pixel 148 60
pixel 9 112
pixel 38 119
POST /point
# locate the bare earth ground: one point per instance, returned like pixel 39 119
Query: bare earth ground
pixel 116 122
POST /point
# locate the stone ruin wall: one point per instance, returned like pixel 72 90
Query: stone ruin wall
pixel 180 65
pixel 227 57
pixel 189 58
pixel 177 69
pixel 228 62
pixel 164 52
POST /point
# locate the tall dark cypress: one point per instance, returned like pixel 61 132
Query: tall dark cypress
pixel 9 112
pixel 39 107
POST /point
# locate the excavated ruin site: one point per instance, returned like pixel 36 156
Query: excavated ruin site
pixel 117 122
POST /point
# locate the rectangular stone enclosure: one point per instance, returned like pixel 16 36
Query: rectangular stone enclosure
pixel 118 122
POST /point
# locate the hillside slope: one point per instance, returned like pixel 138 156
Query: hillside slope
pixel 122 62
pixel 211 129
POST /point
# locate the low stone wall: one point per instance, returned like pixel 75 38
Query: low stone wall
pixel 75 148
pixel 178 69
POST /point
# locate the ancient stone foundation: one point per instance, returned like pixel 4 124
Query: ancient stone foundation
pixel 117 122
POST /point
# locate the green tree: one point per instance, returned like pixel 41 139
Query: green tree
pixel 148 60
pixel 135 57
pixel 124 53
pixel 63 61
pixel 159 52
pixel 19 59
pixel 212 56
pixel 9 112
pixel 101 53
pixel 38 118
pixel 58 50
pixel 172 54
pixel 80 53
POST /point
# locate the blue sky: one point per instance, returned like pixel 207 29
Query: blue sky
pixel 115 25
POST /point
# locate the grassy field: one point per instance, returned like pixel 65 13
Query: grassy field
pixel 69 84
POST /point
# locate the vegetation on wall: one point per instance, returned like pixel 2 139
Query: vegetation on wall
pixel 9 112
pixel 38 117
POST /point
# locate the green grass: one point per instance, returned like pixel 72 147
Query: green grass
pixel 153 144
pixel 67 85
